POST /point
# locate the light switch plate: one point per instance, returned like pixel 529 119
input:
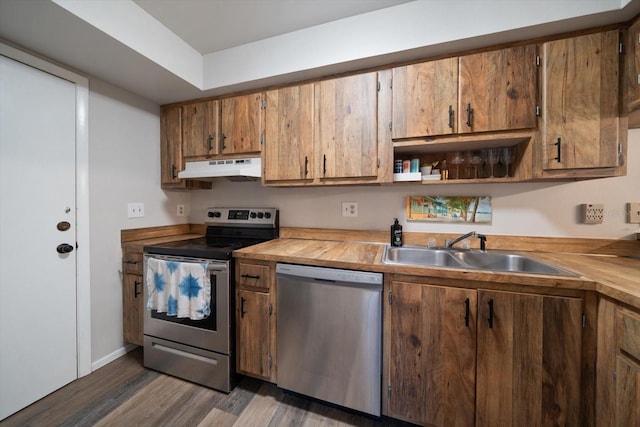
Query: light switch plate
pixel 633 210
pixel 593 213
pixel 135 210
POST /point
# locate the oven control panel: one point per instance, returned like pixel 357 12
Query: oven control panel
pixel 237 216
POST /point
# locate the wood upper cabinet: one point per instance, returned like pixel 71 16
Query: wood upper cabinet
pixel 529 360
pixel 425 99
pixel 346 126
pixel 241 124
pixel 633 66
pixel 171 146
pixel 255 319
pixel 498 90
pixel 431 354
pixel 289 146
pixel 581 101
pixel 200 128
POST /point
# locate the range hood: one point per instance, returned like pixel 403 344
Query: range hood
pixel 247 169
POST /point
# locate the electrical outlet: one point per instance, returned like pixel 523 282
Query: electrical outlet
pixel 135 210
pixel 633 210
pixel 349 208
pixel 180 210
pixel 593 213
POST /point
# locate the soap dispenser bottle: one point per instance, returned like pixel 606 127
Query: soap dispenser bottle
pixel 396 233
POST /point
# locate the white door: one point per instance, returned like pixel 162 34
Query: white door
pixel 38 347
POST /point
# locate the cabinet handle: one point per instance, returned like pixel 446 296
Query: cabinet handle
pixel 324 164
pixel 224 139
pixel 209 140
pixel 249 276
pixel 135 289
pixel 306 166
pixel 559 145
pixel 450 116
pixel 129 262
pixel 490 319
pixel 469 115
pixel 242 312
pixel 467 312
pixel 173 172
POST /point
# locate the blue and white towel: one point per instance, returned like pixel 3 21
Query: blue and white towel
pixel 181 289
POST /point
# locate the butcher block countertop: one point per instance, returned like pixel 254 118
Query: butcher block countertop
pixel 613 276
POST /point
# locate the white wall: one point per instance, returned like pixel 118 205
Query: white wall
pixel 530 209
pixel 124 158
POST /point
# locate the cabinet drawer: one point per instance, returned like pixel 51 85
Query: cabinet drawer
pixel 132 263
pixel 629 334
pixel 254 276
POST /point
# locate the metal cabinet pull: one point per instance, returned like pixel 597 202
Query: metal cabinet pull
pixel 450 116
pixel 249 276
pixel 559 145
pixel 324 164
pixel 467 312
pixel 490 319
pixel 306 166
pixel 469 115
pixel 224 139
pixel 242 312
pixel 135 289
pixel 209 140
pixel 173 172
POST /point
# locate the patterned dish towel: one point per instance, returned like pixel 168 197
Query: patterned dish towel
pixel 181 289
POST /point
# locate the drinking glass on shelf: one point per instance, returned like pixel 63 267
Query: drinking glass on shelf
pixel 507 158
pixel 457 160
pixel 493 157
pixel 476 161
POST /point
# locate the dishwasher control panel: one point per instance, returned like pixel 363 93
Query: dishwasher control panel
pixel 330 274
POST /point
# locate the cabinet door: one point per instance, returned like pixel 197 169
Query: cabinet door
pixel 627 392
pixel 170 146
pixel 254 333
pixel 529 359
pixel 347 126
pixel 425 97
pixel 133 309
pixel 498 90
pixel 241 124
pixel 288 146
pixel 581 80
pixel 633 64
pixel 431 375
pixel 200 123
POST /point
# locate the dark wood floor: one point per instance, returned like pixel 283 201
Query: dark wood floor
pixel 124 393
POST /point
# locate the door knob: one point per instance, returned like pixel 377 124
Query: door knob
pixel 64 248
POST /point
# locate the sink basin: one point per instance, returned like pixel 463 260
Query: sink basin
pixel 501 261
pixel 470 260
pixel 418 255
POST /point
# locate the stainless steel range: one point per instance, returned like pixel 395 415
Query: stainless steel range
pixel 198 344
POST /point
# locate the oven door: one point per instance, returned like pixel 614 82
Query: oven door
pixel 212 333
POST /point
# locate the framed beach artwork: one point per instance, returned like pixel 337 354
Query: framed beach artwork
pixel 462 209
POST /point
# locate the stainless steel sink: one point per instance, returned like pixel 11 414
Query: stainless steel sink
pixel 470 260
pixel 419 255
pixel 502 261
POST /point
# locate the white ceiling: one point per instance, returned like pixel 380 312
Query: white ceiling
pixel 213 25
pixel 174 50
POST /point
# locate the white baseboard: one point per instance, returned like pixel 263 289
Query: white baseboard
pixel 113 356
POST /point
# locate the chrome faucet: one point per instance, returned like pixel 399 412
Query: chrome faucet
pixel 482 237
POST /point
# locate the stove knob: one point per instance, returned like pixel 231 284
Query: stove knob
pixel 217 214
pixel 260 214
pixel 210 214
pixel 252 214
pixel 267 215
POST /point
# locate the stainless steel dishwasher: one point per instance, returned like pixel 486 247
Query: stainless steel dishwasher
pixel 330 335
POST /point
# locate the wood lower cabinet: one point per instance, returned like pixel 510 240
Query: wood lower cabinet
pixel 255 319
pixel 132 297
pixel 627 402
pixel 581 123
pixel 430 357
pixel 529 360
pixel 456 356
